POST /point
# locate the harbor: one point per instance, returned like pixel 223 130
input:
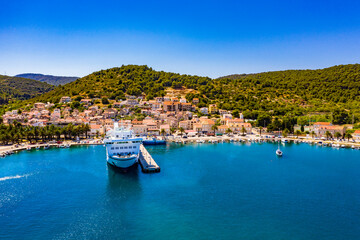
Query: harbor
pixel 245 182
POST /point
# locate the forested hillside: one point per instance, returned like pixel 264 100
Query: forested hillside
pixel 12 88
pixel 293 92
pixel 50 79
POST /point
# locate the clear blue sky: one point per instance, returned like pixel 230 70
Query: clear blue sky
pixel 210 38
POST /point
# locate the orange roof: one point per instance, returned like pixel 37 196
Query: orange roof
pixel 207 121
pixel 322 123
pixel 357 131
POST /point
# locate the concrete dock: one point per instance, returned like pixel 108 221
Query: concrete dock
pixel 147 163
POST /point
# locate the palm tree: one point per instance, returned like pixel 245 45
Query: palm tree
pixel 162 132
pixel 172 130
pixel 328 135
pixel 214 128
pixel 337 135
pixel 228 131
pixel 181 129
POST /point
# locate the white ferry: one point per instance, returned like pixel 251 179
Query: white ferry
pixel 122 147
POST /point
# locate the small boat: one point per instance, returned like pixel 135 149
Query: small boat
pixel 67 145
pixel 279 153
pixel 37 147
pixel 46 147
pixel 2 155
pixel 28 148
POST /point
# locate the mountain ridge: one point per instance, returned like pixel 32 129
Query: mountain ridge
pixel 50 79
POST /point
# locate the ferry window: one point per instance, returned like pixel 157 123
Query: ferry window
pixel 112 148
pixel 117 136
pixel 117 147
pixel 130 147
pixel 121 147
pixel 125 147
pixel 134 146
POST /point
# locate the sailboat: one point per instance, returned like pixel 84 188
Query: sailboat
pixel 278 151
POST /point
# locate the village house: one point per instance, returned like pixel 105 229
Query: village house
pixel 204 110
pixel 213 109
pixel 356 135
pixel 166 128
pixel 222 129
pixel 140 129
pixel 65 99
pixel 96 129
pixel 39 105
pixel 86 101
pixel 110 113
pixel 320 130
pixel 195 101
pixel 206 125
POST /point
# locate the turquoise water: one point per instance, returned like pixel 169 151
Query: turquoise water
pixel 208 191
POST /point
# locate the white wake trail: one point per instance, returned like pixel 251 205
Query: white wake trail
pixel 14 177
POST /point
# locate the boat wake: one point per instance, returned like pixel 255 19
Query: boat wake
pixel 14 177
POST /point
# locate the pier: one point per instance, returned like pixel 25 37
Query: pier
pixel 147 163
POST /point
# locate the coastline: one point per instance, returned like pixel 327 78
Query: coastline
pixel 207 139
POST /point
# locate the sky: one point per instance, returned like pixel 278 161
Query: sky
pixel 207 38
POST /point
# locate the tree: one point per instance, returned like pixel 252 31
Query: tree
pixel 104 101
pixel 243 130
pixel 260 128
pixel 348 135
pixel 337 135
pixel 297 133
pixel 172 130
pixel 263 120
pixel 236 113
pixel 162 132
pixel 313 134
pixel 328 135
pixel 285 132
pixel 228 131
pixel 181 129
pixel 214 128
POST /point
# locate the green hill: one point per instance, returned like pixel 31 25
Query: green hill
pixel 50 79
pixel 292 92
pixel 12 88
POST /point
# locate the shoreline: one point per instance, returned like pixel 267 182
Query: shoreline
pixel 206 139
pixel 8 148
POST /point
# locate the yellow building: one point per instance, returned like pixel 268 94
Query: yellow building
pixel 213 109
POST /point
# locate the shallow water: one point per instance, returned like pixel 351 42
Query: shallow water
pixel 204 191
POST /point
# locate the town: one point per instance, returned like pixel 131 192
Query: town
pixel 161 116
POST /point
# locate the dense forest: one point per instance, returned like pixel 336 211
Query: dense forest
pixel 281 93
pixel 12 88
pixel 50 79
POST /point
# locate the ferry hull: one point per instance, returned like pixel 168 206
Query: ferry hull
pixel 123 163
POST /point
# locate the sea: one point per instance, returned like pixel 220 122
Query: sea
pixel 204 191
